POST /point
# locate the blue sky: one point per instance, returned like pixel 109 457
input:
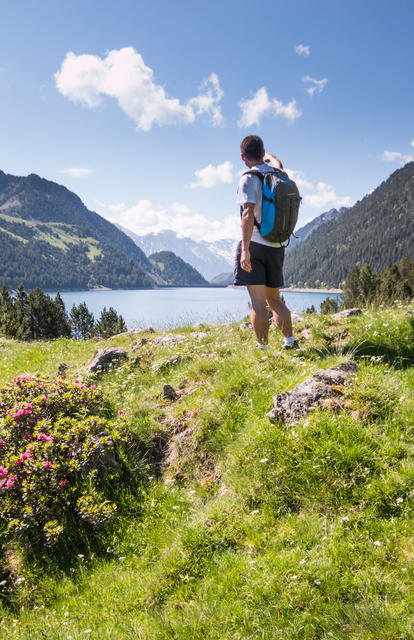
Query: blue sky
pixel 140 107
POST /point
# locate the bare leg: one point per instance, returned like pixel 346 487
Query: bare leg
pixel 281 313
pixel 259 317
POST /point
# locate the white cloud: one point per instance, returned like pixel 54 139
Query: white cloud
pixel 325 195
pixel 212 176
pixel 145 217
pixel 396 156
pixel 252 109
pixel 77 172
pixel 123 75
pixel 302 49
pixel 412 143
pixel 319 196
pixel 316 86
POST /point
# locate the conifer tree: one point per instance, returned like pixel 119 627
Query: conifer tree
pixel 22 316
pixel 61 320
pixel 81 321
pixel 7 325
pixel 109 323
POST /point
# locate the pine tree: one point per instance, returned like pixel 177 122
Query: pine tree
pixel 81 321
pixel 109 323
pixel 352 289
pixel 7 325
pixel 43 315
pixel 22 317
pixel 61 319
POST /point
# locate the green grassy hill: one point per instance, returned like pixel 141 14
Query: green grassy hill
pixel 49 239
pixel 238 527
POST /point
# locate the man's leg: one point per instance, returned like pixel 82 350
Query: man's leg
pixel 281 313
pixel 259 317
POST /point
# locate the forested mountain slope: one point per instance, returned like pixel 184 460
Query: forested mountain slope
pixel 378 230
pixel 48 238
pixel 175 272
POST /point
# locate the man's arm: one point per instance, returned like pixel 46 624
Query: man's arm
pixel 273 161
pixel 247 224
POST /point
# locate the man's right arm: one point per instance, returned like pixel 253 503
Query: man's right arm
pixel 247 223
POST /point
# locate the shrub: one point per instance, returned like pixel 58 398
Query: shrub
pixel 58 458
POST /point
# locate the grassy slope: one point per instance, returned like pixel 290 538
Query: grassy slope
pixel 253 530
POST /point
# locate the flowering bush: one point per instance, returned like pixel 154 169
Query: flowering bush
pixel 58 457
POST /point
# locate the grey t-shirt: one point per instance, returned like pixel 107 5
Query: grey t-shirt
pixel 250 190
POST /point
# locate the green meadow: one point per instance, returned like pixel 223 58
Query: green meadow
pixel 230 526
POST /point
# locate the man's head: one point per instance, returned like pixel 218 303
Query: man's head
pixel 252 150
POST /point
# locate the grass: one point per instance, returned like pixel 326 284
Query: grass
pixel 246 529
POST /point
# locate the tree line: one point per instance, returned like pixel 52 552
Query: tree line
pixel 36 316
pixel 365 288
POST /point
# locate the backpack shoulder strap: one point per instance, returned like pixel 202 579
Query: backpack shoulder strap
pixel 256 173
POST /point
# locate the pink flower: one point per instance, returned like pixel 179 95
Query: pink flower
pixel 3 471
pixel 48 464
pixel 2 444
pixel 121 412
pixel 19 462
pixel 10 482
pixel 62 482
pixel 93 386
pixel 83 386
pixel 57 389
pixel 43 436
pixel 27 436
pixel 29 405
pixel 44 398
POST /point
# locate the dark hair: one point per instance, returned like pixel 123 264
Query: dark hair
pixel 252 148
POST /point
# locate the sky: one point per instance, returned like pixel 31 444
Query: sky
pixel 140 107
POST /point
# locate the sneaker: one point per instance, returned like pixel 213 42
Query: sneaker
pixel 259 345
pixel 294 345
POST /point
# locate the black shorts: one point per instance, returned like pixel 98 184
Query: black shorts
pixel 267 266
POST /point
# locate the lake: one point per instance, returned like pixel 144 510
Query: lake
pixel 174 307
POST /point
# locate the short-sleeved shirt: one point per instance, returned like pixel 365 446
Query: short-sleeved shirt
pixel 250 190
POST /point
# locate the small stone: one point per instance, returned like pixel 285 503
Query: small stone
pixel 139 344
pixel 346 313
pixel 245 326
pixel 170 338
pixel 62 368
pixel 168 392
pixel 104 358
pixel 296 318
pixel 199 335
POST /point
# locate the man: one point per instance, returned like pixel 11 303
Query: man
pixel 259 263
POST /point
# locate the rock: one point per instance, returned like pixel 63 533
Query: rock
pixel 168 393
pixel 62 368
pixel 170 338
pixel 134 332
pixel 199 325
pixel 291 406
pixel 104 358
pixel 245 326
pixel 296 318
pixel 139 344
pixel 346 313
pixel 305 334
pixel 199 335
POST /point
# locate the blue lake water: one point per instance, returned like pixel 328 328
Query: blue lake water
pixel 174 307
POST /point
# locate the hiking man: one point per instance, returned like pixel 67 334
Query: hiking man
pixel 259 263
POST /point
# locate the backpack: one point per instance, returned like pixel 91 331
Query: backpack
pixel 280 205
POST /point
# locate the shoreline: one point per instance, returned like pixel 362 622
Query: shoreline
pixel 303 290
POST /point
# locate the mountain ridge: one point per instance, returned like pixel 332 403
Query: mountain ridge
pixel 378 230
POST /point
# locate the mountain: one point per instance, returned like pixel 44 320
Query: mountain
pixel 378 230
pixel 302 233
pixel 48 238
pixel 209 258
pixel 175 272
pixel 223 279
